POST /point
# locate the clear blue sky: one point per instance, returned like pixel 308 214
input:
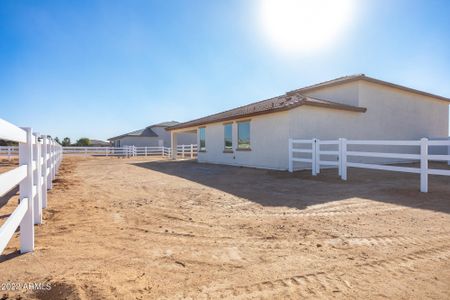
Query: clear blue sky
pixel 101 68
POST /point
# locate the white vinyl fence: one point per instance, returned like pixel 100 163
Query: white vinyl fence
pixel 183 151
pixel 39 160
pixel 336 153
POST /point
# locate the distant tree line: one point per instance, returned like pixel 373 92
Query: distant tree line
pixel 81 142
pixel 8 143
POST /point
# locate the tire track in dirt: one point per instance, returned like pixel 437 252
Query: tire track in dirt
pixel 381 241
pixel 274 244
pixel 360 208
pixel 333 213
pixel 314 284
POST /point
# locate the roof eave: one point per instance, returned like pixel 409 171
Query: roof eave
pixel 266 112
pixel 338 106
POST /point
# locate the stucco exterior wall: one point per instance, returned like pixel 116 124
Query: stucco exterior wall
pixel 402 115
pixel 392 114
pixel 268 140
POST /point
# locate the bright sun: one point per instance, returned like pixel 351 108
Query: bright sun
pixel 305 25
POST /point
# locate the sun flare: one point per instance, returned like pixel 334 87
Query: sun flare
pixel 305 25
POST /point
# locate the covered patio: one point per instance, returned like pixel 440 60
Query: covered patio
pixel 174 148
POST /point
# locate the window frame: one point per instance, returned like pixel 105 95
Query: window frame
pixel 200 130
pixel 239 145
pixel 230 126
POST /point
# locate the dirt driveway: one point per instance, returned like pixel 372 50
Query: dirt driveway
pixel 135 228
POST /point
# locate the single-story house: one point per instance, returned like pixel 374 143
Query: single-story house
pixel 152 136
pixel 352 107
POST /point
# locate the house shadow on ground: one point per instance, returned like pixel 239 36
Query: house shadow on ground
pixel 300 189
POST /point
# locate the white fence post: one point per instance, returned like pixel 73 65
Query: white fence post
pixel 343 159
pixel 145 150
pixel 448 151
pixel 9 152
pixel 291 154
pixel 340 157
pixel 162 151
pixel 53 160
pixel 44 171
pixel 313 157
pixel 182 151
pixel 49 164
pixel 37 179
pixel 317 142
pixel 424 165
pixel 192 150
pixel 26 194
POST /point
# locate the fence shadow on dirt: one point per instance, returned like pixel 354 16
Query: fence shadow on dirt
pixel 301 189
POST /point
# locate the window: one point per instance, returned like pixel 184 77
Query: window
pixel 244 135
pixel 202 137
pixel 228 136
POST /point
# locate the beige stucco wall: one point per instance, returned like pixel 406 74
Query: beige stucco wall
pixel 268 139
pixel 401 114
pixel 391 114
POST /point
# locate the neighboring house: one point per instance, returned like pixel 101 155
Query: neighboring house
pixel 151 136
pixel 99 143
pixel 352 107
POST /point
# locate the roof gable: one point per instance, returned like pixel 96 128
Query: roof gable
pixel 351 78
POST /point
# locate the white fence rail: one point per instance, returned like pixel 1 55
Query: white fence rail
pixel 185 151
pixel 39 160
pixel 337 154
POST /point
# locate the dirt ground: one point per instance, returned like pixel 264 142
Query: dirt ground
pixel 144 229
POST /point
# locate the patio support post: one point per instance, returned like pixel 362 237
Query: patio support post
pixel 173 144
